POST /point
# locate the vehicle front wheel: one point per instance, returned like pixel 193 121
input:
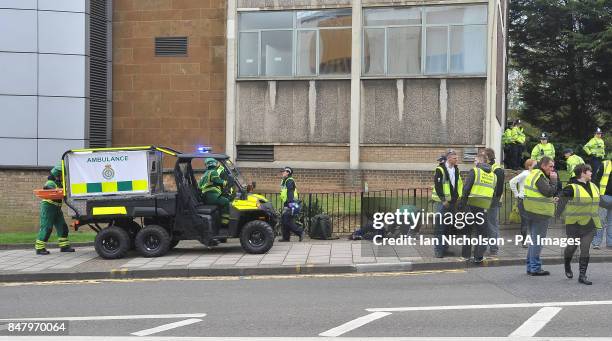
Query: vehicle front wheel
pixel 257 236
pixel 112 242
pixel 152 241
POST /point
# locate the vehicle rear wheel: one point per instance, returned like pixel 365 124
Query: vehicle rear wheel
pixel 256 236
pixel 112 243
pixel 152 241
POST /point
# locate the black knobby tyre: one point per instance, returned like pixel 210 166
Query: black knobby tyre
pixel 257 236
pixel 152 241
pixel 112 243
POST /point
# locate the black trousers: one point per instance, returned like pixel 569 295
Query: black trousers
pixel 475 230
pixel 516 153
pixel 288 224
pixel 586 234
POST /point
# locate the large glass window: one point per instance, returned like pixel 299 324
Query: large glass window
pixel 294 43
pixel 424 40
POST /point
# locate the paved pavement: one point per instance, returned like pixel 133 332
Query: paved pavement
pixel 476 302
pixel 190 258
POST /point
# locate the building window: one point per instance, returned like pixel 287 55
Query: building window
pixel 433 40
pixel 294 43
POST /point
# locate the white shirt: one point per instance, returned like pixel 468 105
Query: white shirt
pixel 520 181
pixel 451 174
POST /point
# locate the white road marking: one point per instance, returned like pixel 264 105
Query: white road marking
pixel 165 327
pixel 354 324
pixel 536 322
pixel 101 318
pixel 492 306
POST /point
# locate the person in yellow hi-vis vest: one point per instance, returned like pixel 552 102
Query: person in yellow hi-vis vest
pixel 572 160
pixel 51 215
pixel 446 191
pixel 605 206
pixel 477 197
pixel 542 149
pixel 289 199
pixel 539 205
pixel 580 200
pixel 596 150
pixel 518 142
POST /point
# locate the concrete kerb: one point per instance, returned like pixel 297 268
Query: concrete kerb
pixel 309 269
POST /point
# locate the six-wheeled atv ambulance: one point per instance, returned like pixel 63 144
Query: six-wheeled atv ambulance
pixel 120 194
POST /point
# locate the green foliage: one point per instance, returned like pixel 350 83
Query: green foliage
pixel 563 50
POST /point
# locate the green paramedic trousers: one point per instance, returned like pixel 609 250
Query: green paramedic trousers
pixel 51 215
pixel 213 198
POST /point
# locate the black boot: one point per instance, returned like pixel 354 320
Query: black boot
pixel 568 268
pixel 66 249
pixel 42 252
pixel 584 263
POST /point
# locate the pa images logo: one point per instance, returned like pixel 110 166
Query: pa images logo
pixel 108 173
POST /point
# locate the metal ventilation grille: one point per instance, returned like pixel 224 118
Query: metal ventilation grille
pixel 255 153
pixel 98 123
pixel 171 46
pixel 99 73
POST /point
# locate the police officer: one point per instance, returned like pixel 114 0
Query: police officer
pixel 446 191
pixel 51 215
pixel 507 142
pixel 289 195
pixel 580 200
pixel 596 150
pixel 478 192
pixel 543 149
pixel 212 188
pixel 539 205
pixel 572 161
pixel 493 212
pixel 605 209
pixel 518 141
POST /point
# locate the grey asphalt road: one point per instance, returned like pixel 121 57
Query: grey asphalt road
pixel 291 306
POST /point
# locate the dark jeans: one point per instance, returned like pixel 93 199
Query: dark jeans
pixel 524 219
pixel 288 224
pixel 585 233
pixel 538 226
pixel 475 230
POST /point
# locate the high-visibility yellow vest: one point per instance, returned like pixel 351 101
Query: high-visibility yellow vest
pixel 446 185
pixel 572 162
pixel 207 182
pixel 534 201
pixel 541 150
pixel 482 191
pixel 595 147
pixel 603 183
pixel 518 135
pixel 583 207
pixel 507 136
pixel 283 193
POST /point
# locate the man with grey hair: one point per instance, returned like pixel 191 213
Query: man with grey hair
pixel 445 193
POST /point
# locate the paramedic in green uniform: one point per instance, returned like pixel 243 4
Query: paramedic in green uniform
pixel 51 215
pixel 212 186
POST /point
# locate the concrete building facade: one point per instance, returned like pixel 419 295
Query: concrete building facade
pixel 367 88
